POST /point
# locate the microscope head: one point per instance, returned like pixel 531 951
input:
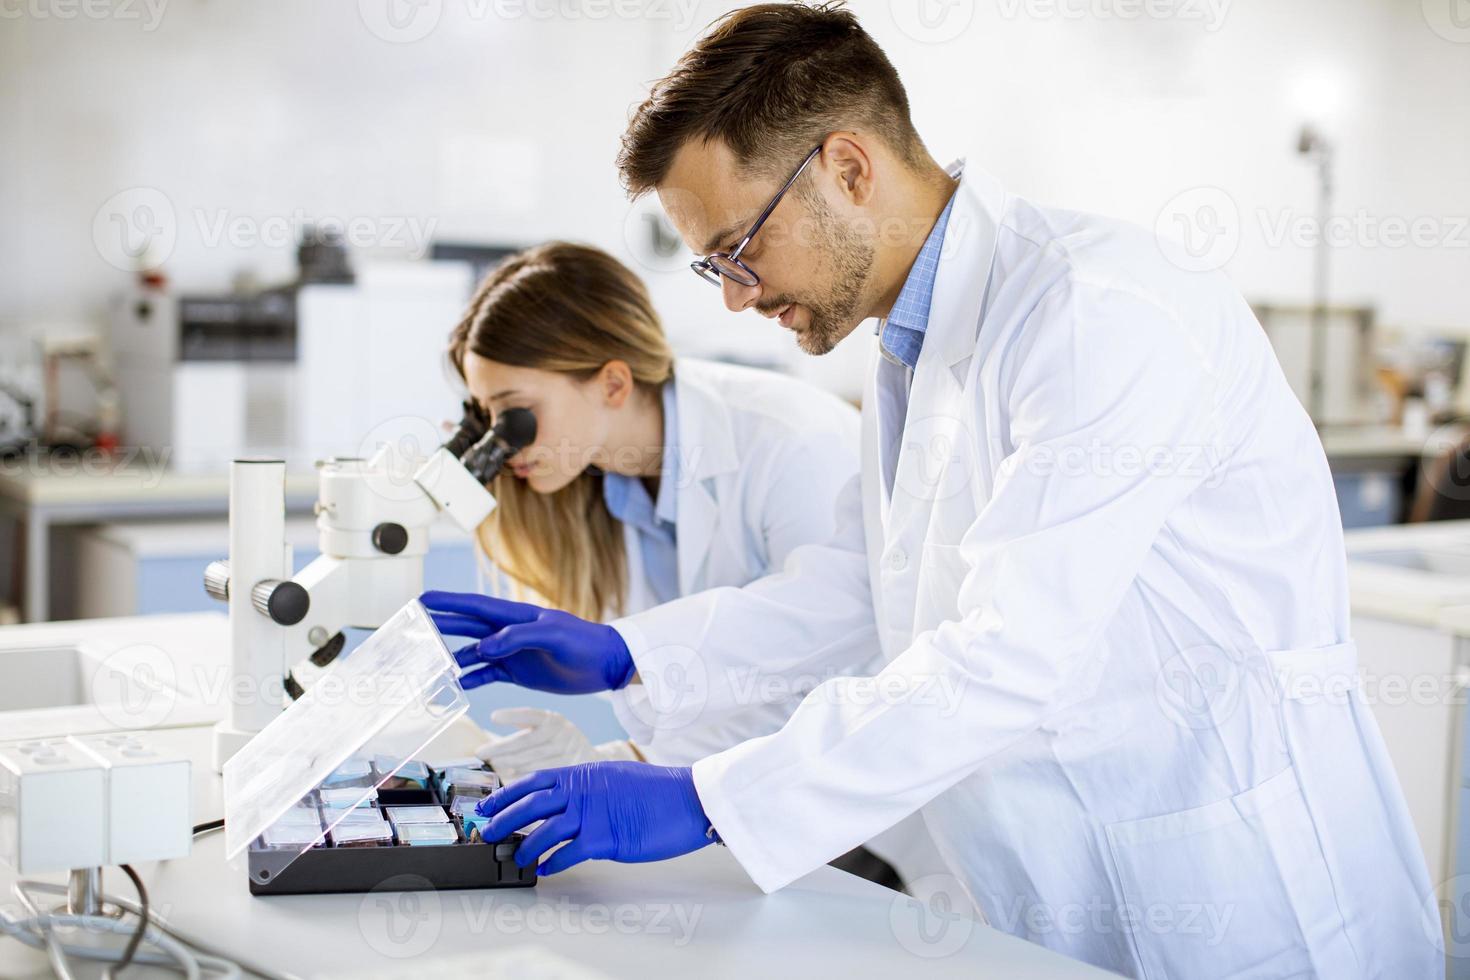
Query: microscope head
pixel 455 477
pixel 472 428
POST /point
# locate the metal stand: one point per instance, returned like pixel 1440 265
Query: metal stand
pixel 84 891
pixel 1312 145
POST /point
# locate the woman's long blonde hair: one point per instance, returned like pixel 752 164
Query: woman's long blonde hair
pixel 571 309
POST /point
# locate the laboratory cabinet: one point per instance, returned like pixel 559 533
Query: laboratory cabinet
pixel 1410 596
pixel 1415 679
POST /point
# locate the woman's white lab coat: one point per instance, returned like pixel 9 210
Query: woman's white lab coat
pixel 762 460
pixel 1098 544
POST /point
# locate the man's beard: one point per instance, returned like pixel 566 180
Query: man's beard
pixel 847 264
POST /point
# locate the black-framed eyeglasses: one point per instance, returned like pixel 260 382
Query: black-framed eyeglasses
pixel 728 265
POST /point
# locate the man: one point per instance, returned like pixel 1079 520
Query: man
pixel 1095 535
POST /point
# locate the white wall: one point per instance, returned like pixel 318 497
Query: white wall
pixel 487 128
pixel 1116 115
pixel 496 127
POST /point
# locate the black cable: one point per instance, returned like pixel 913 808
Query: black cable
pixel 137 939
pixel 207 826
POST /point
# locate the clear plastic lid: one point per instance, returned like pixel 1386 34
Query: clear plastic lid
pixel 384 701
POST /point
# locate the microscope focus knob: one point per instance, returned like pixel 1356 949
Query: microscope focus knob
pixel 284 602
pixel 217 579
pixel 390 538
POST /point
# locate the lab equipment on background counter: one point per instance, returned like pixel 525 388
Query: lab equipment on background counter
pixel 331 797
pixel 373 516
pixel 206 375
pixel 1421 378
pixel 57 393
pixel 300 371
pixel 1327 357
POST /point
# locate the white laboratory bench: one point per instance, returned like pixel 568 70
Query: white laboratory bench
pixel 1409 573
pixel 696 915
pixel 38 493
pixel 1346 442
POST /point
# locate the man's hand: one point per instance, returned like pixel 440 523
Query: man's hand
pixel 542 649
pixel 619 811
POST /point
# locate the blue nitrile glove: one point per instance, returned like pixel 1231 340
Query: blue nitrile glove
pixel 620 811
pixel 542 649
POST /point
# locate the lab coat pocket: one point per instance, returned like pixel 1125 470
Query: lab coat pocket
pixel 1234 889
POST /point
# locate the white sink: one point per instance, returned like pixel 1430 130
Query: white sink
pixel 110 674
pixel 53 677
pixel 83 674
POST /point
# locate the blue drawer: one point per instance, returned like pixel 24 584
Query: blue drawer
pixel 1370 498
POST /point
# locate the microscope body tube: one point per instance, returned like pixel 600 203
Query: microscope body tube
pixel 258 551
pixel 363 574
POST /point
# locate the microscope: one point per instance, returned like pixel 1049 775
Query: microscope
pixel 373 520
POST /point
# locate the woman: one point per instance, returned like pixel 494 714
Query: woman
pixel 650 477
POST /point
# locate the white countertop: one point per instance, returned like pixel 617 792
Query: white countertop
pixel 34 481
pixel 1456 620
pixel 1393 587
pixel 698 915
pixel 1369 441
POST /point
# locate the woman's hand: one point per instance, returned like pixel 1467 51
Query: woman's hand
pixel 546 740
pixel 542 649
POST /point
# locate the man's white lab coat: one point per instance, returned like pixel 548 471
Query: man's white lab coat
pixel 1098 541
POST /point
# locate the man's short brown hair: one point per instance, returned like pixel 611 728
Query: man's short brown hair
pixel 771 81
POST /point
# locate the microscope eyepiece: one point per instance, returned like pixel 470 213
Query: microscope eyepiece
pixel 516 427
pixel 514 430
pixel 472 428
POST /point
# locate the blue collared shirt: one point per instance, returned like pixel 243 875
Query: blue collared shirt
pixel 654 523
pixel 901 333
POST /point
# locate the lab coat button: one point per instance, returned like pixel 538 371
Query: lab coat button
pixel 898 559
